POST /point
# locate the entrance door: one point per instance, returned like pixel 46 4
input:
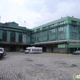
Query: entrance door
pixel 44 49
pixel 72 50
pixel 12 48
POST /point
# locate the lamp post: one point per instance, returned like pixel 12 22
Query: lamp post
pixel 25 23
pixel 0 19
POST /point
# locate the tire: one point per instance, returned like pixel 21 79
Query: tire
pixel 2 56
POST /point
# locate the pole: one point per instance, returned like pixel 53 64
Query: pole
pixel 25 23
pixel 0 19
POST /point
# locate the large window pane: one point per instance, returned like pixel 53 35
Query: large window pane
pixel 4 36
pixel 20 37
pixel 12 37
pixel 74 35
pixel 52 31
pixel 52 37
pixel 74 28
pixel 60 28
pixel 51 25
pixel 24 38
pixel 61 35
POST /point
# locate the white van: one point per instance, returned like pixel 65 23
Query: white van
pixel 33 50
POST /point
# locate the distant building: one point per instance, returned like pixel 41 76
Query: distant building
pixel 14 37
pixel 61 35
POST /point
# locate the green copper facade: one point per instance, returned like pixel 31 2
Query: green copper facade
pixel 62 35
pixel 11 34
pixel 67 28
pixel 59 35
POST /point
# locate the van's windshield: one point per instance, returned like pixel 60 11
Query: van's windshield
pixel 28 49
pixel 1 50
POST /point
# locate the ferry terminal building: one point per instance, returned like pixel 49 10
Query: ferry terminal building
pixel 59 36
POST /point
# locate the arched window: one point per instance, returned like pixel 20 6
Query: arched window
pixel 20 37
pixel 4 36
pixel 12 37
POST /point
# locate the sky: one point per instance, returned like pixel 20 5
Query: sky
pixel 33 13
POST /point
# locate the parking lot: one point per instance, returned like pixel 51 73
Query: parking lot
pixel 46 66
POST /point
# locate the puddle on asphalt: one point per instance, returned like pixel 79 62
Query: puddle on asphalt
pixel 39 65
pixel 64 64
pixel 60 63
pixel 73 65
pixel 28 59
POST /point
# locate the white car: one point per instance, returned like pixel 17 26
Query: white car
pixel 26 51
pixel 2 53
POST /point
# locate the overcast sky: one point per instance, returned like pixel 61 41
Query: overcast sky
pixel 37 12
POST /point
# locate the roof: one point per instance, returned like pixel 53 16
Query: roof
pixel 56 22
pixel 13 25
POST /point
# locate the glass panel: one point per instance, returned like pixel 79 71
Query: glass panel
pixel 4 36
pixel 74 35
pixel 61 35
pixel 74 28
pixel 74 22
pixel 46 27
pixel 52 30
pixel 60 28
pixel 38 29
pixel 12 37
pixel 20 37
pixel 60 23
pixel 51 25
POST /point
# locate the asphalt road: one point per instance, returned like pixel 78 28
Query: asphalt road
pixel 46 66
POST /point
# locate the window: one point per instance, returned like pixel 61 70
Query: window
pixel 51 25
pixel 74 22
pixel 20 37
pixel 1 50
pixel 38 39
pixel 46 27
pixel 12 37
pixel 60 28
pixel 52 30
pixel 52 37
pixel 44 38
pixel 74 28
pixel 61 35
pixel 74 35
pixel 4 36
pixel 24 38
pixel 60 23
pixel 33 50
pixel 38 29
pixel 33 39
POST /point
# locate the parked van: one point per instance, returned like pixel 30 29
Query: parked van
pixel 33 50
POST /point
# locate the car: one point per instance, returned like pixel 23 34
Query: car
pixel 26 51
pixel 76 52
pixel 2 52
